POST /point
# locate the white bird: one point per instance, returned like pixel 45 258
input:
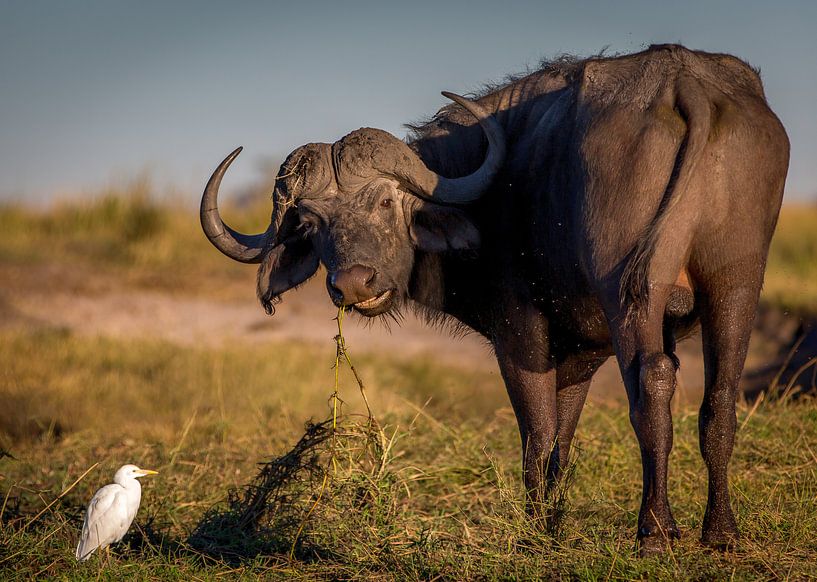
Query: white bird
pixel 111 511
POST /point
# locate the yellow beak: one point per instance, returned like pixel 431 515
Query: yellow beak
pixel 146 472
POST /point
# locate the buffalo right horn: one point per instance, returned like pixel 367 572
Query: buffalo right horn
pixel 245 248
pixel 467 188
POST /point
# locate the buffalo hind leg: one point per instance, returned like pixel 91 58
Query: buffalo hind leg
pixel 649 377
pixel 726 323
pixel 651 417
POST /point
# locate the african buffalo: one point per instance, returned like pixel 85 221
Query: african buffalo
pixel 595 207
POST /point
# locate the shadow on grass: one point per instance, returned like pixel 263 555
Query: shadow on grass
pixel 270 517
pixel 290 506
pixel 334 497
pixel 792 373
pixel 266 517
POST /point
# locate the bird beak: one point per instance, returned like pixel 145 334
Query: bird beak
pixel 145 472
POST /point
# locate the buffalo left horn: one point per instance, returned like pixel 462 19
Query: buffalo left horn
pixel 245 248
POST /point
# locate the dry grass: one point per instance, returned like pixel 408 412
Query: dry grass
pixel 433 489
pixel 122 234
pixel 791 274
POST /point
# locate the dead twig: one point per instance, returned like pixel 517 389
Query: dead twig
pixel 754 408
pixel 789 356
pixel 790 386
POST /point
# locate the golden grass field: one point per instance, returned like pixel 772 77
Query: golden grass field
pixel 428 488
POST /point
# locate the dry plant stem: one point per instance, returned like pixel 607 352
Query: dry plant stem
pixel 338 352
pixel 5 502
pixel 341 349
pixel 814 379
pixel 308 513
pixel 789 356
pixel 754 408
pixel 790 386
pixel 46 508
pixel 174 453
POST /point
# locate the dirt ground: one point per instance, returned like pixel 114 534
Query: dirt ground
pixel 305 315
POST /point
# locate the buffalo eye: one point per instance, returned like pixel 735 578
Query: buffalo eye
pixel 386 203
pixel 310 224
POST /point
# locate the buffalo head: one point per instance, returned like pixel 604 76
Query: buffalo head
pixel 360 206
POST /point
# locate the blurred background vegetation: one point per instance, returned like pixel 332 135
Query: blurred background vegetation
pixel 128 232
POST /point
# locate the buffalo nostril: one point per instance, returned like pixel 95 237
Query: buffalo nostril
pixel 334 290
pixel 351 285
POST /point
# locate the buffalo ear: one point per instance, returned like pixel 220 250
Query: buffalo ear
pixel 437 229
pixel 286 266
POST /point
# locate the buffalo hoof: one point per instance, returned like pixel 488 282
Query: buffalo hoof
pixel 655 543
pixel 720 531
pixel 722 540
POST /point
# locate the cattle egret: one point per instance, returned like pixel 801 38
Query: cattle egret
pixel 111 511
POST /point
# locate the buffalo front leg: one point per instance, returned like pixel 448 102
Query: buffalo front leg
pixel 532 391
pixel 573 378
pixel 569 405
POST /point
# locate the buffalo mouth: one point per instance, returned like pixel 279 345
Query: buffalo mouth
pixel 376 305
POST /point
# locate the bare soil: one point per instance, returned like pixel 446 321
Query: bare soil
pixel 306 315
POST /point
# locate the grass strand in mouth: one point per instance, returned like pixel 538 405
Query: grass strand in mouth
pixel 341 355
pixel 340 341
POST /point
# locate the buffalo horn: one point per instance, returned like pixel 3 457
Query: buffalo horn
pixel 467 188
pixel 240 247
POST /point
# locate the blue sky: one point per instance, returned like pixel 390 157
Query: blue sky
pixel 95 92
